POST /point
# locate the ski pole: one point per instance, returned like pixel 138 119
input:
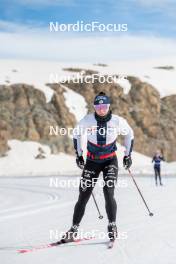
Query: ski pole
pixel 100 215
pixel 150 213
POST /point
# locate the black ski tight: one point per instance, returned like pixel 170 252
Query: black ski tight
pixel 88 180
pixel 157 173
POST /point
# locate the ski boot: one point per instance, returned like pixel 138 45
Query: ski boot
pixel 70 235
pixel 112 231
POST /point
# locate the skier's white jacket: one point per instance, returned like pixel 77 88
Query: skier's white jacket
pixel 102 136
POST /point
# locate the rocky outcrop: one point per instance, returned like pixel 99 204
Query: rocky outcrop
pixel 3 138
pixel 25 115
pixel 145 111
pixel 168 126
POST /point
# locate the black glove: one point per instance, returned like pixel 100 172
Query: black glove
pixel 80 162
pixel 127 162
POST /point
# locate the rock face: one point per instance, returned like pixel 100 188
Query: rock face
pixel 3 138
pixel 168 126
pixel 149 115
pixel 25 115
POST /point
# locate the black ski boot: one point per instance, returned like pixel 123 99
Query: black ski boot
pixel 70 235
pixel 112 231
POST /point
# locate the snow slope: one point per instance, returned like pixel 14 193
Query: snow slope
pixel 76 103
pixel 39 73
pixel 33 213
pixel 21 161
pixel 163 80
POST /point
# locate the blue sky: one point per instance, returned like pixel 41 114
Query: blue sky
pixel 154 17
pixel 145 19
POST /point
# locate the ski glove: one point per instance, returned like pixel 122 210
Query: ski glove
pixel 80 162
pixel 127 162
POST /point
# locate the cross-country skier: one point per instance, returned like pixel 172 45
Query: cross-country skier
pixel 102 128
pixel 157 167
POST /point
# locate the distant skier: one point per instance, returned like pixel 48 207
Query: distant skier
pixel 157 166
pixel 101 157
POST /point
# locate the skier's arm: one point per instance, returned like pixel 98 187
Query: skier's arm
pixel 128 142
pixel 162 158
pixel 79 130
pixel 128 137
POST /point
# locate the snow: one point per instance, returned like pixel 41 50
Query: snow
pixel 142 164
pixel 76 103
pixel 39 73
pixel 28 72
pixel 163 80
pixel 124 83
pixel 20 161
pixel 36 207
pixel 33 213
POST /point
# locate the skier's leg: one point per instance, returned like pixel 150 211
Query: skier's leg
pixel 110 174
pixel 155 169
pixel 159 175
pixel 88 180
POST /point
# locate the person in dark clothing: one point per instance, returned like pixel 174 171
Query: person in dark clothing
pixel 102 129
pixel 157 158
pixel 89 178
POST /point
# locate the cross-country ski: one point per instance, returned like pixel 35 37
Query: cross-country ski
pixel 54 244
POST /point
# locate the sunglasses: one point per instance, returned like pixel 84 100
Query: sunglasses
pixel 102 107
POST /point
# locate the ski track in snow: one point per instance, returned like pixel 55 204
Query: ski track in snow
pixel 30 209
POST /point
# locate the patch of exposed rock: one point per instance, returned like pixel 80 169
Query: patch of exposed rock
pixel 25 115
pixel 145 111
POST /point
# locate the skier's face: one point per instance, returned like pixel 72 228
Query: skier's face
pixel 102 109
